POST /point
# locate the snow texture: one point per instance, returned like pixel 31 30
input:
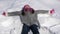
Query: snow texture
pixel 12 25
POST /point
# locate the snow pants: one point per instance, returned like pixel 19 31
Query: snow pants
pixel 33 28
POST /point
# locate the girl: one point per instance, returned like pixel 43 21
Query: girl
pixel 28 18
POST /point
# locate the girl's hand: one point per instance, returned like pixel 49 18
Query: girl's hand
pixel 4 13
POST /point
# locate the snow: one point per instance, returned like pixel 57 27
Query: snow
pixel 12 25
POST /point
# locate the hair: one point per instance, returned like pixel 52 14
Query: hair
pixel 23 12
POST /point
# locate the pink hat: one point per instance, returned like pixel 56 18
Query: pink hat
pixel 27 6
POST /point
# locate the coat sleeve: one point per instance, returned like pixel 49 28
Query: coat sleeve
pixel 16 13
pixel 41 11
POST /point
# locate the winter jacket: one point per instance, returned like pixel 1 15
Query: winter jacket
pixel 28 19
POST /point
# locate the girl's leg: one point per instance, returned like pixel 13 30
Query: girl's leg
pixel 34 29
pixel 25 29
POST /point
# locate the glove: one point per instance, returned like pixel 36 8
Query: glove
pixel 4 13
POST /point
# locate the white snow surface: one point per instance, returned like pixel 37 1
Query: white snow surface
pixel 13 25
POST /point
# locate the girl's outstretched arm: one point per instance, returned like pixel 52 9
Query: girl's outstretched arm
pixel 41 11
pixel 16 13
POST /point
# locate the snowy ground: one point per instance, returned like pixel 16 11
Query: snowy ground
pixel 12 25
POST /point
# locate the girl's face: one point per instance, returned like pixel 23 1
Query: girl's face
pixel 27 9
pixel 27 12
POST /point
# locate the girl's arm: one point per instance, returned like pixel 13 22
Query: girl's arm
pixel 16 13
pixel 41 11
